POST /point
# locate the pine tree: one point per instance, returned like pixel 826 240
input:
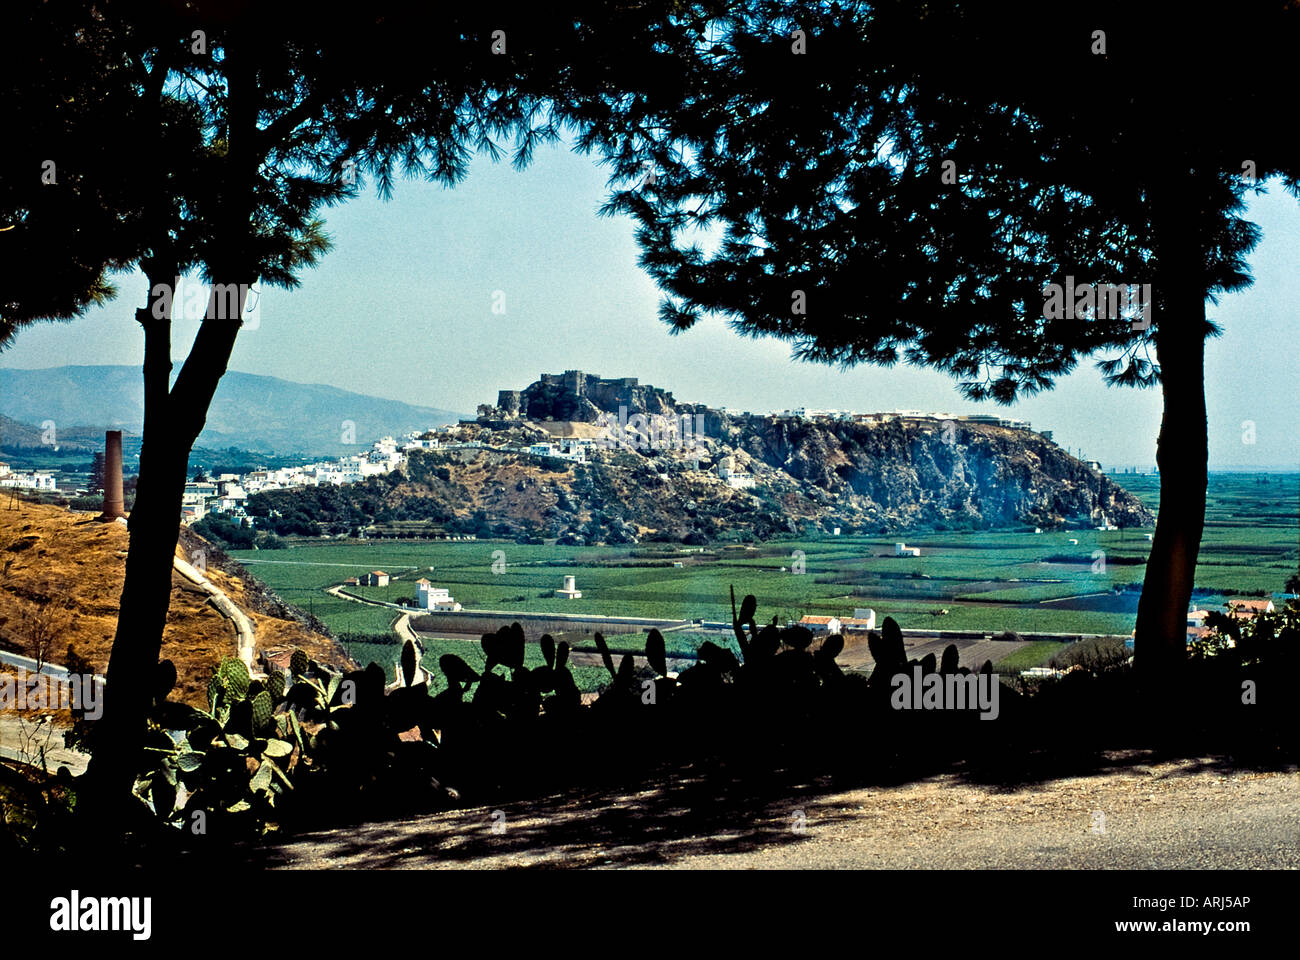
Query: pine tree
pixel 902 181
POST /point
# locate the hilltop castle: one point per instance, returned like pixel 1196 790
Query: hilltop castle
pixel 575 395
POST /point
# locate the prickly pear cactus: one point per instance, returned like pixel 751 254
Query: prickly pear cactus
pixel 410 660
pixel 263 709
pixel 166 681
pixel 234 677
pixel 605 655
pixel 654 653
pixel 215 688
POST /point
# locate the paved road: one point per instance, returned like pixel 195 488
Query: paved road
pixel 338 591
pixel 403 629
pixel 1187 814
pixel 21 739
pixel 245 640
pixel 30 665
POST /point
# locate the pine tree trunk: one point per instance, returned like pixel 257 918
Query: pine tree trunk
pixel 154 525
pixel 146 597
pixel 173 420
pixel 1182 454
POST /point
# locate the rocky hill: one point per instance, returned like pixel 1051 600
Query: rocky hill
pixel 661 470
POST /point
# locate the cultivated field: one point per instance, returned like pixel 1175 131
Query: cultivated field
pixel 987 581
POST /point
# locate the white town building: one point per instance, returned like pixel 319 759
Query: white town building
pixel 36 480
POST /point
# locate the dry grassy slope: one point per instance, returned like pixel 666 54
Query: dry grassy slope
pixel 64 570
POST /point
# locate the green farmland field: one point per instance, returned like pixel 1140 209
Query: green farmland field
pixel 990 581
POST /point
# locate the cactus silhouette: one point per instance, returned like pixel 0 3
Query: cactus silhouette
pixel 654 653
pixel 800 638
pixel 887 647
pixel 368 737
pixel 166 680
pixel 410 662
pixel 605 655
pixel 456 670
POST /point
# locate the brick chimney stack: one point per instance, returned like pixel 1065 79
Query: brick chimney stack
pixel 113 501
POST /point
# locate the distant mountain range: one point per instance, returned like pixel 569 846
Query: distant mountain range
pixel 25 436
pixel 251 412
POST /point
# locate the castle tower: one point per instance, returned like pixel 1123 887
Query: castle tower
pixel 508 402
pixel 574 381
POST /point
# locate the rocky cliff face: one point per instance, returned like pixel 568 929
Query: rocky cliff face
pixel 926 473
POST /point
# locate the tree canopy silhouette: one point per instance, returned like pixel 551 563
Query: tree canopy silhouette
pixel 894 181
pixel 68 214
pixel 244 123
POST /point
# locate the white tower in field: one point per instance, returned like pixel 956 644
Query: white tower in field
pixel 570 591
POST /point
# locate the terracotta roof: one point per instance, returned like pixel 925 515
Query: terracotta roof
pixel 1252 606
pixel 816 619
pixel 280 658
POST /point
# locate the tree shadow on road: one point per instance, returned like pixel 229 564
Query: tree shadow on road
pixel 676 816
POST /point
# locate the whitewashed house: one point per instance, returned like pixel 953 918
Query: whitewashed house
pixel 826 625
pixel 439 599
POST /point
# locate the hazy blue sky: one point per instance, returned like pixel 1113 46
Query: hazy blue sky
pixel 402 308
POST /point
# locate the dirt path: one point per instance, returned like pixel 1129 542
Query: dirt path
pixel 1193 813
